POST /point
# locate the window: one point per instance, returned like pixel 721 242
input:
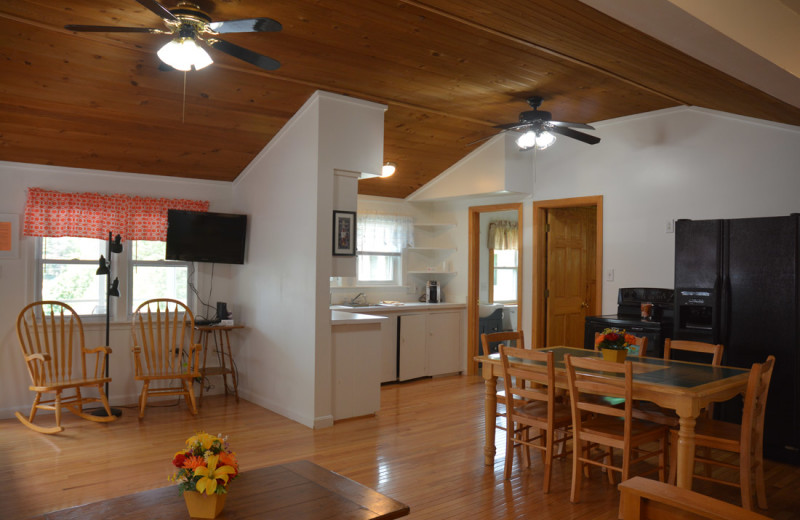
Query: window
pixel 379 245
pixel 68 273
pixel 503 275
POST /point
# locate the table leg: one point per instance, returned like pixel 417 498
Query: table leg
pixel 685 454
pixel 490 414
pixel 204 342
pixel 233 367
pixel 220 344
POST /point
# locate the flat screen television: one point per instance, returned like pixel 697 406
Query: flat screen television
pixel 195 236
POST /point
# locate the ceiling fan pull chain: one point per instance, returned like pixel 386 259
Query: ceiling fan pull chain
pixel 183 109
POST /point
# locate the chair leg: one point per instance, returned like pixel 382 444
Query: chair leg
pixel 673 459
pixel 761 492
pixel 577 472
pixel 745 479
pixel 548 459
pixel 104 400
pixel 143 399
pixel 35 407
pixel 57 405
pixel 509 451
pixel 187 386
pixel 662 458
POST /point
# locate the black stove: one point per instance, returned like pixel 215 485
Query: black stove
pixel 629 317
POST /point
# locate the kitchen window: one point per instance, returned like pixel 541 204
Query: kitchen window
pixel 503 274
pixel 67 268
pixel 379 246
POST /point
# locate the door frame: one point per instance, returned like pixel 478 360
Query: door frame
pixel 538 302
pixel 473 289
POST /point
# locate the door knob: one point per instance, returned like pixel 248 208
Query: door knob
pixel 584 305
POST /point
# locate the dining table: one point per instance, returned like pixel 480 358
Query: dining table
pixel 682 386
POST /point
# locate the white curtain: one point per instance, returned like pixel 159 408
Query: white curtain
pixel 377 233
pixel 503 234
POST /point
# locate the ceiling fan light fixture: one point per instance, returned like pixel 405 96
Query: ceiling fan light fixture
pixel 540 140
pixel 183 53
pixel 388 169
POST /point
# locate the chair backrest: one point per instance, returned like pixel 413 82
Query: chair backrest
pixel 493 337
pixel 640 342
pixel 163 330
pixel 755 404
pixel 51 337
pixel 589 376
pixel 526 381
pixel 715 351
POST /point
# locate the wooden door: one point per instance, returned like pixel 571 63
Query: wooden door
pixel 570 281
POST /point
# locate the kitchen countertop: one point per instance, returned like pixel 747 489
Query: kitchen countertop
pixel 351 318
pixel 404 307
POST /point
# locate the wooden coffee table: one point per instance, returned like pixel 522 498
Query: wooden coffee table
pixel 298 489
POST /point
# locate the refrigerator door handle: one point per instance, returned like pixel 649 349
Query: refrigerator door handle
pixel 725 312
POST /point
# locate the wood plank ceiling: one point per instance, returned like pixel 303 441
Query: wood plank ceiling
pixel 448 70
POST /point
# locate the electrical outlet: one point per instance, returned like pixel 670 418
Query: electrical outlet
pixel 670 228
pixel 609 275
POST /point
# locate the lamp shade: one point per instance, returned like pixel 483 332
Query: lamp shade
pixel 114 289
pixel 116 245
pixel 540 140
pixel 103 266
pixel 388 169
pixel 183 53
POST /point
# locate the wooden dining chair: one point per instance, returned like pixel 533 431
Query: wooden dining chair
pixel 530 388
pixel 166 358
pixel 646 499
pixel 596 423
pixel 518 338
pixel 637 347
pixel 746 439
pixel 650 411
pixel 51 337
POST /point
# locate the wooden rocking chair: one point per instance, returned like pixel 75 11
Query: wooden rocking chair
pixel 164 351
pixel 51 336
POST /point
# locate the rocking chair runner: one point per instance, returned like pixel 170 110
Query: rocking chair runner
pixel 164 351
pixel 51 337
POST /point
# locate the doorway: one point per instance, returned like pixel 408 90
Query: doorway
pixel 567 273
pixel 487 271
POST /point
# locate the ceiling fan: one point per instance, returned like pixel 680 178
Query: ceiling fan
pixel 189 25
pixel 537 127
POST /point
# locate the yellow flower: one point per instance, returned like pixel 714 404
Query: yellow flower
pixel 210 474
pixel 203 439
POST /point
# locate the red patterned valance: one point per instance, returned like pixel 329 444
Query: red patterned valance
pixel 93 215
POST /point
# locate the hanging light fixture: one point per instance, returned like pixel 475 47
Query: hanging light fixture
pixel 388 169
pixel 183 53
pixel 540 139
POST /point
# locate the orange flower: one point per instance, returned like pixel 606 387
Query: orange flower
pixel 194 462
pixel 630 339
pixel 229 459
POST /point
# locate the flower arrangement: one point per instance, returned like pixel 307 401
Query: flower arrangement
pixel 614 339
pixel 206 465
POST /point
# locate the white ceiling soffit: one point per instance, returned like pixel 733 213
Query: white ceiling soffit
pixel 755 42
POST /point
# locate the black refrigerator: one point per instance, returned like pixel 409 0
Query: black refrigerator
pixel 737 283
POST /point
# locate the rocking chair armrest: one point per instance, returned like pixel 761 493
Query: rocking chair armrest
pixel 43 357
pixel 105 350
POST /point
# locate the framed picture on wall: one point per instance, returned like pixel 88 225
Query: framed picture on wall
pixel 9 235
pixel 344 233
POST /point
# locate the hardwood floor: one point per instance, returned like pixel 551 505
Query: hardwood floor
pixel 424 448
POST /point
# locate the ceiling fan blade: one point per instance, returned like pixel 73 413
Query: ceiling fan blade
pixel 159 9
pixel 580 136
pixel 248 25
pixel 512 126
pixel 259 60
pixel 482 139
pixel 108 28
pixel 572 125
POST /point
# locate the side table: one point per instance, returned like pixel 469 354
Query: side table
pixel 221 334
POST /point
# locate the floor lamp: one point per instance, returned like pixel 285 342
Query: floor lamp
pixel 112 289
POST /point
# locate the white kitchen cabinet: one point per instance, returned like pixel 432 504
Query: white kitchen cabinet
pixel 412 346
pixel 429 344
pixel 443 341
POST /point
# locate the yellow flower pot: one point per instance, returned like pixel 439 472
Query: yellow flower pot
pixel 618 356
pixel 201 505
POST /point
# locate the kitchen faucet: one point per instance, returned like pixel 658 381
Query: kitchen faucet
pixel 357 296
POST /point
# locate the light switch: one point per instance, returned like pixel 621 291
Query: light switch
pixel 609 275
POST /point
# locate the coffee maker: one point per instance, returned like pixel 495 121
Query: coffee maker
pixel 433 292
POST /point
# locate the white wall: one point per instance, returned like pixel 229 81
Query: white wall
pixel 16 274
pixel 285 356
pixel 671 164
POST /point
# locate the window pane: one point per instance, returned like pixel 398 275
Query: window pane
pixel 71 248
pixel 76 285
pixel 505 258
pixel 377 268
pixel 159 282
pixel 505 285
pixel 148 250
